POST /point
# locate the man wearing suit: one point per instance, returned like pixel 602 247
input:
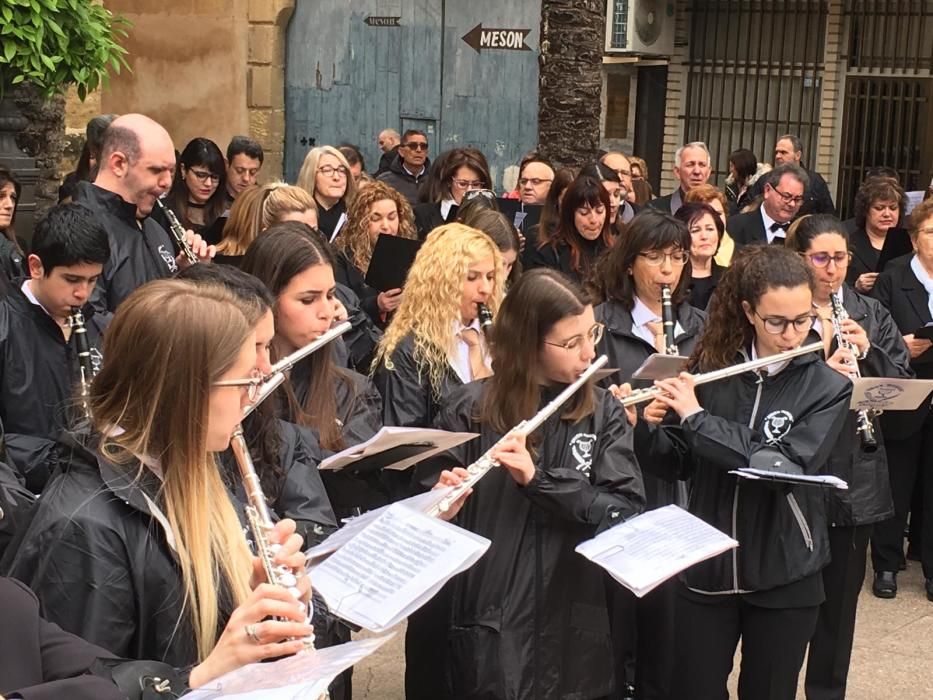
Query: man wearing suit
pixel 783 197
pixel 789 149
pixel 906 289
pixel 691 168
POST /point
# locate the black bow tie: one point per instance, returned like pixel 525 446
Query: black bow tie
pixel 775 227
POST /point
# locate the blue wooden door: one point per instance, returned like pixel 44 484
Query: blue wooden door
pixel 354 68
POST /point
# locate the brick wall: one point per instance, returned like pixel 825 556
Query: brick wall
pixel 676 94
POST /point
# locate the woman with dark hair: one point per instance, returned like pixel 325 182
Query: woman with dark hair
pixel 706 232
pixel 340 405
pixel 86 169
pixel 768 592
pixel 459 171
pixel 614 188
pixel 198 191
pixel 628 281
pixel 744 172
pixel 880 206
pixel 550 213
pixel 497 226
pixel 583 231
pixel 12 260
pixel 822 242
pixel 529 619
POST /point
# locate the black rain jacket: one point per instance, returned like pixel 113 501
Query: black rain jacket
pixel 39 380
pixel 529 619
pixel 137 255
pixel 782 533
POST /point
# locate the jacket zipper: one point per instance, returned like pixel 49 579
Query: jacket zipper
pixel 735 494
pixel 801 521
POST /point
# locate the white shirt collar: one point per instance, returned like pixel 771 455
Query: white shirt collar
pixel 446 204
pixel 769 234
pixel 774 367
pixel 641 314
pixel 415 175
pixel 27 291
pixel 459 359
pixel 818 322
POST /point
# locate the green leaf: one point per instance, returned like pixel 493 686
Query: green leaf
pixel 9 49
pixel 18 79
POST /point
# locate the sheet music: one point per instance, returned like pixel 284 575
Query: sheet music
pixel 297 677
pixel 647 550
pixel 888 394
pixel 393 566
pixel 390 437
pixel 788 478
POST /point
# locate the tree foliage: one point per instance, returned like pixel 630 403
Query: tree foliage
pixel 56 43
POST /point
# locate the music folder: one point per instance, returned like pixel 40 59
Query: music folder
pixel 896 243
pixel 394 448
pixel 392 258
pixel 661 366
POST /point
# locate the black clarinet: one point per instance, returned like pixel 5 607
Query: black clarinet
pixel 864 425
pixel 667 321
pixel 86 369
pixel 485 317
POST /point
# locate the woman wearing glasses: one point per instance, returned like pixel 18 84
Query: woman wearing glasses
pixel 767 592
pixel 325 175
pixel 530 619
pixel 198 191
pixel 461 170
pixel 653 253
pixel 823 243
pixel 136 545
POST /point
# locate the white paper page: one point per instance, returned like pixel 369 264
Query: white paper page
pixel 392 436
pixel 422 503
pixel 886 394
pixel 803 479
pixel 304 676
pixel 913 199
pixel 659 366
pixel 393 567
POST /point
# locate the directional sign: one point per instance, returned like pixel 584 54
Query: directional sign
pixel 383 21
pixel 480 39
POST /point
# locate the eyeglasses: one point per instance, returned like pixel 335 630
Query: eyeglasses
pixel 624 173
pixel 467 184
pixel 777 326
pixel 253 384
pixel 533 181
pixel 823 259
pixel 415 146
pixel 788 198
pixel 594 334
pixel 925 231
pixel 204 175
pixel 330 171
pixel 657 257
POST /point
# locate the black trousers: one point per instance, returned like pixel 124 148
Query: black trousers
pixel 906 460
pixel 643 639
pixel 831 646
pixel 774 641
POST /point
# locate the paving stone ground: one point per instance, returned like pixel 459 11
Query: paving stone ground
pixel 892 658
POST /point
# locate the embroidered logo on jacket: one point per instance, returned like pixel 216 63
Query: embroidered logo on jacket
pixel 581 447
pixel 777 424
pixel 169 259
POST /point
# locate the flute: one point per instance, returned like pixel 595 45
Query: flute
pixel 642 395
pixel 289 361
pixel 481 467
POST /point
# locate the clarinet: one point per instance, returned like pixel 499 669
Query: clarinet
pixel 178 232
pixel 485 463
pixel 667 320
pixel 485 317
pixel 864 426
pixel 86 369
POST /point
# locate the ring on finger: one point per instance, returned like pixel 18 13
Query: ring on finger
pixel 251 634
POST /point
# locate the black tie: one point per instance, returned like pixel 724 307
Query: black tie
pixel 775 227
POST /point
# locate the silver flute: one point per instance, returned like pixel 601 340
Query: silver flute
pixel 667 320
pixel 178 232
pixel 481 467
pixel 864 426
pixel 649 393
pixel 85 367
pixel 289 361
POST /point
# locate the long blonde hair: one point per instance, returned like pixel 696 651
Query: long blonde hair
pixel 170 340
pixel 256 209
pixel 354 240
pixel 309 169
pixel 431 302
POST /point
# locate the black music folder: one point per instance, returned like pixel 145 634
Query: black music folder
pixel 896 244
pixel 392 258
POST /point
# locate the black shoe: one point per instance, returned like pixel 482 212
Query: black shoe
pixel 885 584
pixel 929 587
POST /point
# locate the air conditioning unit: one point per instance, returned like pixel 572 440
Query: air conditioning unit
pixel 643 27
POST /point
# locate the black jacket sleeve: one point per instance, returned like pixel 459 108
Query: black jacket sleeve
pixel 406 392
pixel 888 356
pixel 34 456
pixel 363 336
pixel 613 486
pixel 302 496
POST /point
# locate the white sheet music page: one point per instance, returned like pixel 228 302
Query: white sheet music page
pixel 645 551
pixel 304 675
pixel 393 566
pixel 390 437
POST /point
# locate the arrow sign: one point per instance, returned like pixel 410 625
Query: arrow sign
pixel 502 39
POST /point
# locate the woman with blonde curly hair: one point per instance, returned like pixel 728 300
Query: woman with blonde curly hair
pixel 258 208
pixel 325 175
pixel 378 209
pixel 434 341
